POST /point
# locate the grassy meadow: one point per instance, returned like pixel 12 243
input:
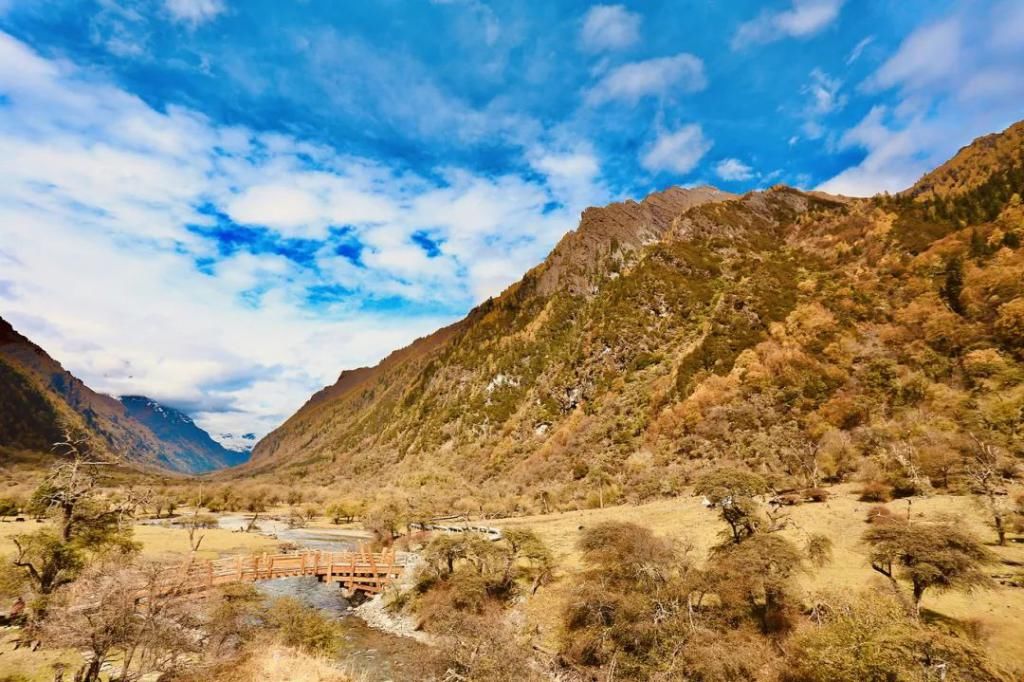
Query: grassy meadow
pixel 998 613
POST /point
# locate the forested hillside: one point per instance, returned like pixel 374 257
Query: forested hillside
pixel 806 336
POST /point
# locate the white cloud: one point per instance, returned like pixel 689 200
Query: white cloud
pixel 305 203
pixel 677 152
pixel 824 98
pixel 194 12
pixel 1008 25
pixel 858 50
pixel 955 79
pixel 802 19
pixel 891 163
pixel 485 16
pixel 660 76
pixel 930 54
pixel 609 27
pixel 733 169
pixel 104 263
pixel 824 93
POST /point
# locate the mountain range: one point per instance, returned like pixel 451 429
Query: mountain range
pixel 804 335
pixel 796 333
pixel 39 398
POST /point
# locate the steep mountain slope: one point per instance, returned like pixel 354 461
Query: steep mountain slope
pixel 38 397
pixel 804 335
pixel 995 155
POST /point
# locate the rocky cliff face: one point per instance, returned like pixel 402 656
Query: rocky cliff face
pixel 38 397
pixel 780 329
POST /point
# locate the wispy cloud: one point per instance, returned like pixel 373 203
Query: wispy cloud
pixel 188 251
pixel 803 18
pixel 677 151
pixel 953 79
pixel 194 12
pixel 682 73
pixel 609 27
pixel 858 50
pixel 483 13
pixel 930 54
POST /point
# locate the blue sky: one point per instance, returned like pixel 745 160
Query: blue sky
pixel 222 203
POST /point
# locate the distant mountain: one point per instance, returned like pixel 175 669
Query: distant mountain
pixel 177 431
pixel 238 442
pixel 37 396
pixel 795 333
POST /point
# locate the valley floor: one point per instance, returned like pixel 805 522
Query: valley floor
pixel 999 613
pixel 996 613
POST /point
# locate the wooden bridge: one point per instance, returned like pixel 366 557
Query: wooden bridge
pixel 359 570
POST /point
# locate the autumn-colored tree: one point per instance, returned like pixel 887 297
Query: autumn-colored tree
pixel 938 556
pixel 755 577
pixel 627 599
pixel 869 637
pixel 734 493
pixel 85 525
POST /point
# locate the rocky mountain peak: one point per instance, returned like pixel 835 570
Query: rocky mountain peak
pixel 619 227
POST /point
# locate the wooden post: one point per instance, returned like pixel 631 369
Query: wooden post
pixel 209 573
pixel 302 568
pixel 263 560
pixel 270 568
pixel 374 572
pixel 238 567
pixel 391 566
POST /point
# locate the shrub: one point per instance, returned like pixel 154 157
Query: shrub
pixel 480 647
pixel 879 514
pixel 302 627
pixel 903 486
pixel 817 494
pixel 875 491
pixel 9 506
pixel 754 580
pixel 870 637
pixel 819 549
pixel 1009 323
pixel 626 602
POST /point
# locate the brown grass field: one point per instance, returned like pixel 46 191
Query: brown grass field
pixel 998 612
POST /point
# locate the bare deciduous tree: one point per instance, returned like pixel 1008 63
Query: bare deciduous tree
pixel 983 471
pixel 133 614
pixel 86 524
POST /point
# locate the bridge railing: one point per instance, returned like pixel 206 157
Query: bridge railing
pixel 362 570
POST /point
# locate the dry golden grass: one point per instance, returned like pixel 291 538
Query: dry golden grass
pixel 161 543
pixel 277 663
pixel 999 612
pixel 38 666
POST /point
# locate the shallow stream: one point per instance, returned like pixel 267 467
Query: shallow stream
pixel 375 654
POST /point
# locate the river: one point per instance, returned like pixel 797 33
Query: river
pixel 369 652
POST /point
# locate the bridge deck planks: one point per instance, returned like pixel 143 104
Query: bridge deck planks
pixel 358 570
